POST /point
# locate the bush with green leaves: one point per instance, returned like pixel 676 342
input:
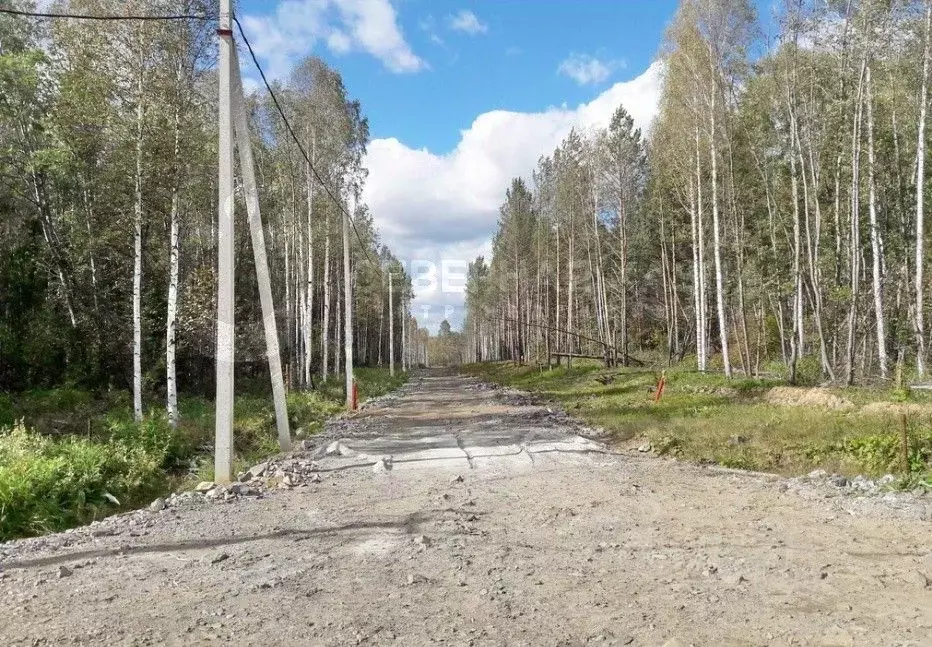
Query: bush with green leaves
pixel 49 483
pixel 56 473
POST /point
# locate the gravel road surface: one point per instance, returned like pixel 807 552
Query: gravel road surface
pixel 461 514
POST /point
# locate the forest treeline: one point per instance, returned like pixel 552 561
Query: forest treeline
pixel 108 210
pixel 772 218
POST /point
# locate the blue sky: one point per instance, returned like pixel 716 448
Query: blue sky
pixel 510 60
pixel 461 97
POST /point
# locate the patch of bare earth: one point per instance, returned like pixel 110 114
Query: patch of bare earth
pixel 458 514
pixel 792 396
pixel 911 409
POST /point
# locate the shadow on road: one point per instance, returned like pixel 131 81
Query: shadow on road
pixel 408 524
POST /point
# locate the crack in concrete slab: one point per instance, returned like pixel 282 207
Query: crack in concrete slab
pixel 462 446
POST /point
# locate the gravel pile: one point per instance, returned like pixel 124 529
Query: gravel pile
pixel 863 496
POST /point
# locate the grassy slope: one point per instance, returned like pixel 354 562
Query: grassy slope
pixel 734 422
pixel 68 456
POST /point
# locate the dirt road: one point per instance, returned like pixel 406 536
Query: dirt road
pixel 458 514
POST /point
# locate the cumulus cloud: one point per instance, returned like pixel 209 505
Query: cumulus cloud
pixel 467 22
pixel 588 70
pixel 444 207
pixel 294 28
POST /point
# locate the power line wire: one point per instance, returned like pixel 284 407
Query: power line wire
pixel 109 17
pixel 297 141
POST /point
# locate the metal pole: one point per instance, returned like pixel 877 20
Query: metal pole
pixel 391 328
pixel 248 169
pixel 225 258
pixel 348 307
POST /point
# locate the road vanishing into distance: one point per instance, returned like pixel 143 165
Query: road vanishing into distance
pixel 457 513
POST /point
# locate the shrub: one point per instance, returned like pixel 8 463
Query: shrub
pixel 51 479
pixel 49 483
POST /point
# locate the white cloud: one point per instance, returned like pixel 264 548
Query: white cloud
pixel 434 207
pixel 467 22
pixel 339 42
pixel 429 26
pixel 294 28
pixel 586 70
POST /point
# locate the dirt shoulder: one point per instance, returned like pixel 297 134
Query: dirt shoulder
pixel 461 514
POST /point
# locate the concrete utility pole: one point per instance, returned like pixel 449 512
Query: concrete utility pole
pixel 391 328
pixel 248 169
pixel 225 256
pixel 233 105
pixel 348 307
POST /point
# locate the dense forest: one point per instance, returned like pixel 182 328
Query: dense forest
pixel 770 219
pixel 108 210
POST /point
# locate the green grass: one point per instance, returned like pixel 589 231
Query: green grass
pixel 69 456
pixel 52 483
pixel 707 418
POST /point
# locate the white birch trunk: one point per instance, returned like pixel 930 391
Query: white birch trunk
pixel 309 291
pixel 88 214
pixel 569 297
pixel 700 352
pixel 717 247
pixel 391 328
pixel 137 261
pixel 404 335
pixel 348 307
pixel 855 236
pixel 919 306
pixel 171 382
pixel 796 338
pixel 325 329
pixel 289 316
pixel 703 293
pixel 876 236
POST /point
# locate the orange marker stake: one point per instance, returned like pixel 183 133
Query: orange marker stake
pixel 660 385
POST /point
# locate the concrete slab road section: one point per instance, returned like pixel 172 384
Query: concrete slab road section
pixel 451 424
pixel 456 513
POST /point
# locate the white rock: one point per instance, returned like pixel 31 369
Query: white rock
pixel 241 489
pixel 158 505
pixel 258 470
pixel 216 492
pixel 205 486
pixel 861 483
